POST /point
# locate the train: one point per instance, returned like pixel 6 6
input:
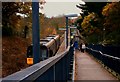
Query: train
pixel 48 48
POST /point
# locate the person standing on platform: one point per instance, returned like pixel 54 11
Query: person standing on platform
pixel 76 45
pixel 83 48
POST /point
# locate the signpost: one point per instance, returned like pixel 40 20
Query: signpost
pixel 67 16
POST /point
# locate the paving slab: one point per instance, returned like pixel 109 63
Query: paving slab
pixel 87 68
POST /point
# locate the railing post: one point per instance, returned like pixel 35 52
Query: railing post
pixel 35 31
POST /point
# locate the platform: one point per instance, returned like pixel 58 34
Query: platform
pixel 87 68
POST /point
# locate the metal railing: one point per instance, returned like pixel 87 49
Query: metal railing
pixel 54 69
pixel 110 61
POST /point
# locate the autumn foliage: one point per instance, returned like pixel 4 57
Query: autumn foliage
pixel 16 38
pixel 101 24
pixel 14 54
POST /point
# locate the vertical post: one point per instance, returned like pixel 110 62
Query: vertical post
pixel 35 31
pixel 1 37
pixel 70 36
pixel 66 32
pixel 65 40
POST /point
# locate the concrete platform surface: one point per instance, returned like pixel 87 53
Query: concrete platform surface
pixel 87 68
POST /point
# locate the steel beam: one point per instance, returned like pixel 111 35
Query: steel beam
pixel 35 32
pixel 66 32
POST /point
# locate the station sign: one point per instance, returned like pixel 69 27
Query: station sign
pixel 74 27
pixel 62 29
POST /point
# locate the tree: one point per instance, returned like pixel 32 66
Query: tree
pixel 78 23
pixel 10 19
pixel 92 23
pixel 87 25
pixel 90 7
pixel 93 7
pixel 8 11
pixel 111 12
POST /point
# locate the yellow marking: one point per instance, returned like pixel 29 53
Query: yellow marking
pixel 29 61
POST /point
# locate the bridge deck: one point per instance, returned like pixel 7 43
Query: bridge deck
pixel 87 68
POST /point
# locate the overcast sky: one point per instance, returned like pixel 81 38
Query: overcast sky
pixel 60 7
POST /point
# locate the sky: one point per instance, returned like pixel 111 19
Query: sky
pixel 54 8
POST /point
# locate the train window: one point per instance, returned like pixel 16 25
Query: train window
pixel 44 53
pixel 50 37
pixel 44 40
pixel 43 43
pixel 29 52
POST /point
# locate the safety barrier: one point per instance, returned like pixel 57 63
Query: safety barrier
pixel 54 69
pixel 106 49
pixel 110 61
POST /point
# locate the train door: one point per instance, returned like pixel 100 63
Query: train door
pixel 44 53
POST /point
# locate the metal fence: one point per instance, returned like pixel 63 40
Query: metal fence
pixel 54 69
pixel 109 55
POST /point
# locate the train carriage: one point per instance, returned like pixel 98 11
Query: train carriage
pixel 57 40
pixel 48 48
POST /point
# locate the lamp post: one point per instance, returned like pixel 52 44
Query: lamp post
pixel 67 16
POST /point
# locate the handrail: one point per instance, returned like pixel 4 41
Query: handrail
pixel 112 62
pixel 104 54
pixel 33 72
